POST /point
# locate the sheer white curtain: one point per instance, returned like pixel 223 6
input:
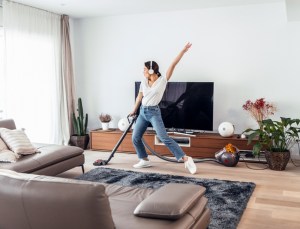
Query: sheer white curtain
pixel 33 83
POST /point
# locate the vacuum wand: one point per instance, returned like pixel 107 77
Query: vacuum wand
pixel 100 162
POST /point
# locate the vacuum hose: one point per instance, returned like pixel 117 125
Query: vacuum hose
pixel 174 160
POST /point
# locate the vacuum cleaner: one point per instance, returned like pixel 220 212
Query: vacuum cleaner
pixel 228 156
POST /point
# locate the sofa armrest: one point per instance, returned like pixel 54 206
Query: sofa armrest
pixel 170 201
pixel 8 123
pixel 34 201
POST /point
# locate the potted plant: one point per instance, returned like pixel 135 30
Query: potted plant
pixel 80 138
pixel 105 119
pixel 276 138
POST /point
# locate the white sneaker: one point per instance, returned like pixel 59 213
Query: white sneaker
pixel 190 165
pixel 142 164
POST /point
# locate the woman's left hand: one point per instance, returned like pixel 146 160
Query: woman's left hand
pixel 187 47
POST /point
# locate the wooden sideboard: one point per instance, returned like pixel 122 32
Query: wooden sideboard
pixel 203 145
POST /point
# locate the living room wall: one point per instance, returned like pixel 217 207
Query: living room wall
pixel 249 52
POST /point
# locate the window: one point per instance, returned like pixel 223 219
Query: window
pixel 33 91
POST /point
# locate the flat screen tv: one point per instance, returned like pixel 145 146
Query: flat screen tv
pixel 187 105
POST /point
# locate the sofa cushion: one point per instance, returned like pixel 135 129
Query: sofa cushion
pixel 33 201
pixel 17 141
pixel 171 201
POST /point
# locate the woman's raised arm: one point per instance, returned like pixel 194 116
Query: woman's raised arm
pixel 177 59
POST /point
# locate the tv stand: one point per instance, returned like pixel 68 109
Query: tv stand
pixel 203 145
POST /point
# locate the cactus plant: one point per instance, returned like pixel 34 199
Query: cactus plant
pixel 80 122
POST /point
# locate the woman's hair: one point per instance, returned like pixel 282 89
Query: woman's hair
pixel 155 67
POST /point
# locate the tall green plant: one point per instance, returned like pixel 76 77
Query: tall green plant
pixel 274 136
pixel 80 122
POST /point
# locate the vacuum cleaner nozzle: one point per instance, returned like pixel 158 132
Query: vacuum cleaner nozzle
pixel 100 162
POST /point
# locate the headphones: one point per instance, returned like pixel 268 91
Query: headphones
pixel 150 71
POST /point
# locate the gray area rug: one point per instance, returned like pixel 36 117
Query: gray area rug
pixel 226 199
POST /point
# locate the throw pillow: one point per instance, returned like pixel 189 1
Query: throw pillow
pixel 17 141
pixel 8 156
pixel 171 201
pixel 3 146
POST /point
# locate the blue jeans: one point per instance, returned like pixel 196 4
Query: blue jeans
pixel 151 114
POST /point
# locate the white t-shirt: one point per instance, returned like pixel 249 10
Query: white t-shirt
pixel 153 95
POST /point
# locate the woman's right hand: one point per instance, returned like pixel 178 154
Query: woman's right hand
pixel 133 113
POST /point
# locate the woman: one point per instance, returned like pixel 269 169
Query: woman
pixel 151 92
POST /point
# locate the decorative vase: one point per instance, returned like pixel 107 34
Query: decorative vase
pixel 277 160
pixel 105 125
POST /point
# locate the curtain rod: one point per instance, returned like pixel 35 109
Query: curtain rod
pixel 31 7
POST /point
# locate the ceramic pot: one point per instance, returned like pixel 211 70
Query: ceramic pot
pixel 105 125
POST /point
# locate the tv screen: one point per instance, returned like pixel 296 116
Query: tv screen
pixel 187 105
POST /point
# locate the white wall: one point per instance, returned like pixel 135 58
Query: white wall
pixel 248 51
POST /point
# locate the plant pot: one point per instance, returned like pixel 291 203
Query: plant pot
pixel 105 125
pixel 80 141
pixel 277 160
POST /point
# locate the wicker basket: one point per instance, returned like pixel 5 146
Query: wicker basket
pixel 277 160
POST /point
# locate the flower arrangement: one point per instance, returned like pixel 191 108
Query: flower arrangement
pixel 260 109
pixel 105 117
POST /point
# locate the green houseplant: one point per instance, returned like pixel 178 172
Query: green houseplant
pixel 80 137
pixel 276 138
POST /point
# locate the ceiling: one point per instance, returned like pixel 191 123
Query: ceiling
pixel 93 8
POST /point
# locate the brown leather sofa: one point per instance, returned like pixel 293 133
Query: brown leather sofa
pixel 29 201
pixel 51 160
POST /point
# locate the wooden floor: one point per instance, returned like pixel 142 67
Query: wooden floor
pixel 275 202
